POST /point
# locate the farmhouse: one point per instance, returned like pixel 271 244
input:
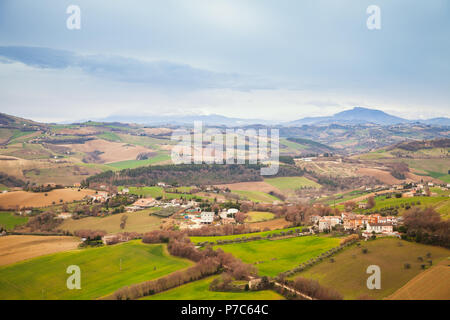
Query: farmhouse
pixel 64 215
pixel 101 196
pixel 362 205
pixel 207 217
pixel 328 222
pixel 144 203
pixel 380 228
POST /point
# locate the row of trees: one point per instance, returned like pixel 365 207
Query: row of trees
pixel 313 289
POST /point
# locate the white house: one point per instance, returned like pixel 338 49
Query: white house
pixel 327 222
pixel 324 225
pixel 232 211
pixel 207 217
pixel 380 228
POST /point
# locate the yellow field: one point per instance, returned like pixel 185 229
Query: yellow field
pixel 258 216
pixel 433 284
pixel 139 221
pixel 112 151
pixel 22 199
pixel 18 248
pixel 279 223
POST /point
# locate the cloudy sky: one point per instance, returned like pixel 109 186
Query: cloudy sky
pixel 266 59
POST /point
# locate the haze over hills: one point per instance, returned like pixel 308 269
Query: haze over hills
pixel 355 116
pixel 212 120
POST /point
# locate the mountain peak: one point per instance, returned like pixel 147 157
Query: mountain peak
pixel 357 115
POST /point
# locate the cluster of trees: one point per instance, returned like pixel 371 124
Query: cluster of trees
pixel 10 181
pixel 90 234
pixel 299 214
pixel 123 221
pixel 313 289
pixel 120 200
pixel 93 238
pixel 42 188
pixel 425 225
pixel 187 174
pixel 425 144
pixel 68 140
pixel 349 239
pixel 342 183
pixel 124 236
pixel 45 222
pixel 398 170
pixel 163 236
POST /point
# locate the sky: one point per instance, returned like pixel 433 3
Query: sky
pixel 274 60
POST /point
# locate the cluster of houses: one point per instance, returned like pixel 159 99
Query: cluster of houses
pixel 145 203
pixel 370 224
pixel 195 218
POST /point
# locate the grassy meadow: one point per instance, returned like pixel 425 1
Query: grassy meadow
pixel 9 220
pixel 256 196
pixel 199 290
pixel 140 221
pixel 348 273
pixel 235 236
pixel 45 277
pixel 258 216
pixel 275 256
pixel 291 183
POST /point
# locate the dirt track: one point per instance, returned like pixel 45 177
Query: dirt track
pixel 18 248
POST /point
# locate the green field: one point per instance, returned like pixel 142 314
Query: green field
pixel 348 273
pixel 110 136
pixel 140 221
pixel 131 164
pixel 291 183
pixel 343 197
pixel 275 256
pixel 382 202
pixel 443 208
pixel 256 196
pixel 258 216
pixel 155 192
pixel 290 146
pixel 9 220
pixel 45 277
pixel 245 235
pixel 199 290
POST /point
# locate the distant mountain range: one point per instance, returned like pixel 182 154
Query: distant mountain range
pixel 360 115
pixel 210 120
pixel 357 115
